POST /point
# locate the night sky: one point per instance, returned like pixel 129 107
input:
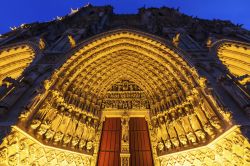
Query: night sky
pixel 16 12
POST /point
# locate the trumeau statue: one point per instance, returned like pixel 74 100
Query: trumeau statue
pixel 125 128
pixel 161 90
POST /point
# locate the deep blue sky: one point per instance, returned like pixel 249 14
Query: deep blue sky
pixel 16 12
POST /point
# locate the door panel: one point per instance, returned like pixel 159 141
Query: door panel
pixel 140 149
pixel 109 153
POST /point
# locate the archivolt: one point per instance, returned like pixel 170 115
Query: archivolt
pixel 120 65
pixel 153 65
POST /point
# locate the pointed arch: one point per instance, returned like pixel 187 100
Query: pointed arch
pixel 133 47
pixel 179 107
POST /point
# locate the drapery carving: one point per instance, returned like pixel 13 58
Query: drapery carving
pixel 187 125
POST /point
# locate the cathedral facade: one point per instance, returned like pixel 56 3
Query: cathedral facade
pixel 98 88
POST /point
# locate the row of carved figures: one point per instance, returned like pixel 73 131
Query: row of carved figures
pixel 86 104
pixel 128 94
pixel 61 126
pixel 126 104
pixel 167 103
pixel 94 106
pixel 185 126
pixel 125 87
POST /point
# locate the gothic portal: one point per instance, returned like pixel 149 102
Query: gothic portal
pixel 97 88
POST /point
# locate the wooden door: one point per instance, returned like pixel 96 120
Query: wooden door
pixel 139 143
pixel 109 153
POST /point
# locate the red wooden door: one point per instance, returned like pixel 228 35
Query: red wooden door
pixel 139 143
pixel 109 153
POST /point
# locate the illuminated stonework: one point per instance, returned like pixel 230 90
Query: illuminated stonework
pixel 236 56
pixel 188 104
pixel 21 149
pixel 231 148
pixel 15 59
